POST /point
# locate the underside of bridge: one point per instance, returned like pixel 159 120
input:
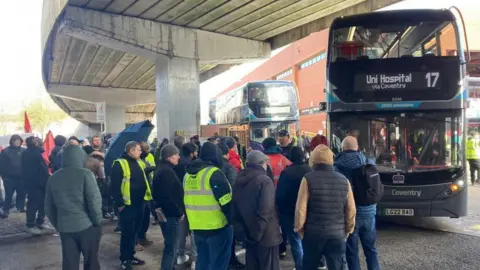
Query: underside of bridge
pixel 110 50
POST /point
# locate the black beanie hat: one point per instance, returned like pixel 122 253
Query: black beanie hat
pixel 269 142
pixel 296 155
pixel 230 142
pixel 223 147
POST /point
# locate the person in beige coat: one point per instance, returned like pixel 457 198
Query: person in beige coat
pixel 325 212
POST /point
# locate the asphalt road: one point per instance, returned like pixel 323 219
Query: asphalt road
pixel 451 244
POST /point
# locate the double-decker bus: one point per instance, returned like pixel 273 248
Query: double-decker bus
pixel 260 108
pixel 396 81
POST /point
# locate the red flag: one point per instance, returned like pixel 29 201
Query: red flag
pixel 48 146
pixel 26 124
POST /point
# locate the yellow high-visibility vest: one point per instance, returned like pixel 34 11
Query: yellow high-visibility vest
pixel 125 187
pixel 150 160
pixel 203 210
pixel 471 149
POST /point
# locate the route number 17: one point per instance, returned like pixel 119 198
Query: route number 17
pixel 432 78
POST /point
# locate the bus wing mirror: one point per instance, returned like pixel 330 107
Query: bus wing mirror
pixel 322 106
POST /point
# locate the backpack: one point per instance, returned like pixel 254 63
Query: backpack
pixel 366 185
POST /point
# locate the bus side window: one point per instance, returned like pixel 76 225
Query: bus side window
pixel 245 95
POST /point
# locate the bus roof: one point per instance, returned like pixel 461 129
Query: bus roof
pixel 261 81
pixel 374 19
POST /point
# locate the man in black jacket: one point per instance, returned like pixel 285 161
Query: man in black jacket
pixel 255 215
pixel 286 199
pixel 130 202
pixel 231 174
pixel 35 175
pixel 11 171
pixel 59 143
pixel 168 195
pixel 189 152
pixel 227 168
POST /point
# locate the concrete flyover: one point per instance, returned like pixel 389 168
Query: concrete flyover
pixel 149 56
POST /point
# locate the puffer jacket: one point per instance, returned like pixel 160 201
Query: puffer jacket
pixel 345 163
pixel 10 159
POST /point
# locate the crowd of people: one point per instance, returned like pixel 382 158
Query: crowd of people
pixel 207 198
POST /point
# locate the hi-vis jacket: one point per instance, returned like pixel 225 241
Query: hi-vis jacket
pixel 277 163
pixel 203 210
pixel 472 148
pixel 125 187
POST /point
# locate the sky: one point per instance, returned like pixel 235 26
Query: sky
pixel 20 67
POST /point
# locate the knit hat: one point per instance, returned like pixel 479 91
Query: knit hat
pixel 230 142
pixel 269 142
pixel 321 155
pixel 189 148
pixel 296 155
pixel 167 151
pixel 224 148
pixel 317 140
pixel 256 157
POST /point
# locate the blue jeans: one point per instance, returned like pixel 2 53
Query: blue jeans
pixel 287 224
pixel 367 233
pixel 214 251
pixel 171 230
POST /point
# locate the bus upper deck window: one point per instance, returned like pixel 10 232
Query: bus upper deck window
pixel 348 51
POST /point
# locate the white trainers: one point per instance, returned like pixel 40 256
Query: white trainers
pixel 182 259
pixel 34 231
pixel 45 226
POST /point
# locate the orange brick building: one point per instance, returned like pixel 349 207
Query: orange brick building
pixel 303 62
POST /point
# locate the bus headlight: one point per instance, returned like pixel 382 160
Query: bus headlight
pixel 455 187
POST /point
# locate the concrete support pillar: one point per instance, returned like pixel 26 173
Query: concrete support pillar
pixel 178 96
pixel 114 118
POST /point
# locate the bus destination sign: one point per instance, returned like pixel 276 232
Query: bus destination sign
pixel 397 81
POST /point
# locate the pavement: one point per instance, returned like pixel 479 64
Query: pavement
pixel 451 244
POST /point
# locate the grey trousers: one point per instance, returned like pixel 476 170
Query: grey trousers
pixel 85 242
pixel 262 258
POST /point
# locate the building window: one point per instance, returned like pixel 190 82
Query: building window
pixel 313 60
pixel 284 74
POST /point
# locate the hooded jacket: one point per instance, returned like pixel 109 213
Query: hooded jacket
pixel 59 143
pixel 255 216
pixel 211 155
pixel 11 159
pixel 35 171
pixel 73 202
pixel 345 163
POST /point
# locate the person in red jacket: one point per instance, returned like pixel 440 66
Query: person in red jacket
pixel 233 157
pixel 277 161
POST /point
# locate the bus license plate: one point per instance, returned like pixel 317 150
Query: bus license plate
pixel 399 212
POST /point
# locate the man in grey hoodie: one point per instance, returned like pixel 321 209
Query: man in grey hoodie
pixel 73 205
